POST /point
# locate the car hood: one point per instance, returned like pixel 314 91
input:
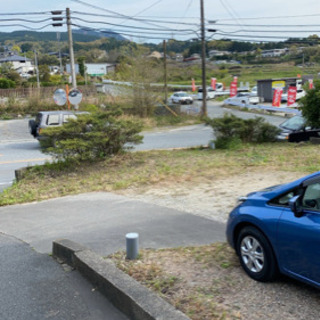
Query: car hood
pixel 274 191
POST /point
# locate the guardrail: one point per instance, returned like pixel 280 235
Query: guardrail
pixel 266 108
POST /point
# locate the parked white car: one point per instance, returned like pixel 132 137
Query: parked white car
pixel 181 97
pixel 300 94
pixel 211 94
pixel 243 98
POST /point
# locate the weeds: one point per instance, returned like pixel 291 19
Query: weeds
pixel 142 169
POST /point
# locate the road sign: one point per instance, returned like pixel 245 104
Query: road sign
pixel 75 96
pixel 60 97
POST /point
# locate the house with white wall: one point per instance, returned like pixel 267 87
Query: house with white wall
pixel 22 65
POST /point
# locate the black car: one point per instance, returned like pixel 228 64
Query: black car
pixel 295 129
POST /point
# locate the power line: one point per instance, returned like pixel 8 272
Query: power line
pixel 140 19
pixel 272 31
pixel 276 17
pixel 26 20
pixel 26 27
pixel 110 11
pixel 24 13
pixel 133 27
pixel 269 26
pixel 126 33
pixel 144 10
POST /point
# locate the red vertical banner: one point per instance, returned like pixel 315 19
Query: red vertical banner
pixel 310 84
pixel 235 79
pixel 193 85
pixel 213 83
pixel 233 89
pixel 277 97
pixel 292 95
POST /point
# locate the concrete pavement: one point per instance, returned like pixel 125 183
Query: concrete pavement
pixel 35 287
pixel 101 220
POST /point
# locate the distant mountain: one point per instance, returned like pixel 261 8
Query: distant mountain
pixel 78 35
pixel 104 33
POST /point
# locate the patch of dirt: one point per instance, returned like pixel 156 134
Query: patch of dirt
pixel 214 199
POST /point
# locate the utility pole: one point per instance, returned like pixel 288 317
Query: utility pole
pixel 37 69
pixel 203 62
pixel 165 71
pixel 73 71
pixel 60 59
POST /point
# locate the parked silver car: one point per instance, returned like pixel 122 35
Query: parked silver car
pixel 181 97
pixel 45 119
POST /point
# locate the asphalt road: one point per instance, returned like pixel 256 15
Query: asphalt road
pixel 19 149
pixel 34 286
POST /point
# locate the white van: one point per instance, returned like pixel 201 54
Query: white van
pixel 210 93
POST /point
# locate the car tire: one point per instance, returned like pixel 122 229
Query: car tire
pixel 33 127
pixel 256 255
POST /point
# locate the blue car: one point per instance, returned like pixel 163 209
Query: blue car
pixel 277 230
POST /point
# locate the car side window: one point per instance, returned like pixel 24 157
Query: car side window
pixel 53 120
pixel 311 197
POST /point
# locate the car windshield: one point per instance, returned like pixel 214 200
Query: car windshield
pixel 182 94
pixel 294 123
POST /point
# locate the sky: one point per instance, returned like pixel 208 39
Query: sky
pixel 248 20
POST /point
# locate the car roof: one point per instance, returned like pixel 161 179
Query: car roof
pixel 61 112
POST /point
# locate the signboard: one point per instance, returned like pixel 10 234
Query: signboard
pixel 60 97
pixel 193 85
pixel 75 96
pixel 292 95
pixel 278 84
pixel 213 83
pixel 310 84
pixel 277 97
pixel 233 89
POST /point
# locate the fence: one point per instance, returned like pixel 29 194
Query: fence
pixel 43 92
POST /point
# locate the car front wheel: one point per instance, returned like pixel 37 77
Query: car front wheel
pixel 256 255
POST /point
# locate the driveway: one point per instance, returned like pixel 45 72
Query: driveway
pixel 101 220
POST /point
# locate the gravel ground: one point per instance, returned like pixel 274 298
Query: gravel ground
pixel 250 300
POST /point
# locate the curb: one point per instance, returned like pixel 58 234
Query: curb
pixel 125 293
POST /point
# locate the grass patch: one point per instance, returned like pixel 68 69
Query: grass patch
pixel 144 169
pixel 193 279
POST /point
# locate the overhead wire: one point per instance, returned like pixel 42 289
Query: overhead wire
pixel 140 19
pixel 113 12
pixel 146 9
pixel 26 27
pixel 126 33
pixel 131 27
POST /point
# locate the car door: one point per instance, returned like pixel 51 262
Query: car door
pixel 298 241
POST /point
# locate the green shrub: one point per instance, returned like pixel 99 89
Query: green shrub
pixel 92 136
pixel 310 106
pixel 230 131
pixel 230 143
pixel 6 83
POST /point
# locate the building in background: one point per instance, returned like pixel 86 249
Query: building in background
pixel 94 69
pixel 22 65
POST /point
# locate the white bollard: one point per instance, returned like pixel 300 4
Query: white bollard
pixel 132 244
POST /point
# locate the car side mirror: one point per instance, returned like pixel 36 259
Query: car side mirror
pixel 295 206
